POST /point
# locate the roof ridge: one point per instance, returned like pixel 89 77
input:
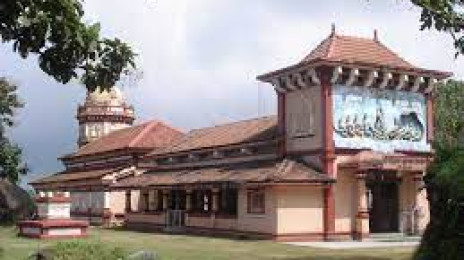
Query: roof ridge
pixel 331 44
pixel 232 123
pixel 149 126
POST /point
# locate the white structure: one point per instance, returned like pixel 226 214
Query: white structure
pixel 103 112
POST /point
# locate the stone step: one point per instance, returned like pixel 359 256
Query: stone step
pixel 392 237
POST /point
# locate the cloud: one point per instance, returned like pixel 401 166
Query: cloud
pixel 200 59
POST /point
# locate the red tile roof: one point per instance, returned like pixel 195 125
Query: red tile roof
pixel 149 135
pixel 349 49
pixel 286 171
pixel 258 129
pixel 74 175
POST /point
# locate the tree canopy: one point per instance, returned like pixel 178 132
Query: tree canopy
pixel 11 165
pixel 445 16
pixel 67 47
pixel 449 114
pixel 444 236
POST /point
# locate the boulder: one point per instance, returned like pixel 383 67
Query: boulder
pixel 15 202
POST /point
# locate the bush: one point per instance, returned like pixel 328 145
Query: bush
pixel 83 250
pixel 444 236
pixel 1 252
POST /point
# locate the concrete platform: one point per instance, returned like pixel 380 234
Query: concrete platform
pixel 354 244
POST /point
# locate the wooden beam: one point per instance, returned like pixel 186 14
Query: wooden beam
pixel 336 74
pixel 432 83
pixel 277 86
pixel 419 80
pixel 314 77
pixel 354 73
pixel 386 78
pixel 371 76
pixel 289 83
pixel 299 81
pixel 403 79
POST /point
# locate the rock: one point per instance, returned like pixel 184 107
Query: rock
pixel 15 202
pixel 143 255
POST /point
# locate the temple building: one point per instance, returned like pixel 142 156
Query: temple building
pixel 343 158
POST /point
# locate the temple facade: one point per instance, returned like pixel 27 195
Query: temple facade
pixel 343 158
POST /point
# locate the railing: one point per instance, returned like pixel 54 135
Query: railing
pixel 175 219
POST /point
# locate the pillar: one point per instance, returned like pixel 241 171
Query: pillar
pixel 215 200
pixel 165 199
pixel 328 153
pixel 106 209
pixel 362 215
pixel 417 212
pixel 146 197
pixel 188 200
pixel 128 201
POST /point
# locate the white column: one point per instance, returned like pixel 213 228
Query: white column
pixel 106 199
pixel 362 215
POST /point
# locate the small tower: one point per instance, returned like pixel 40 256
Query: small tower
pixel 103 112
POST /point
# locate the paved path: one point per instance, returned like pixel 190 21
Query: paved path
pixel 354 244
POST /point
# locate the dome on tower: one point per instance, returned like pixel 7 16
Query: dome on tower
pixel 103 112
pixel 113 97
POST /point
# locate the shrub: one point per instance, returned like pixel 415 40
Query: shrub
pixel 444 236
pixel 83 250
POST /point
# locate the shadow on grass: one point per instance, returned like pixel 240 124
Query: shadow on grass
pixel 338 258
pixel 206 234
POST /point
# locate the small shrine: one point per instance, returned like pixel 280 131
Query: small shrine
pixel 54 221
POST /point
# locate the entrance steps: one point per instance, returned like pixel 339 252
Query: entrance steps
pixel 393 237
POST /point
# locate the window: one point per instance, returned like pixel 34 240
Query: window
pixel 201 201
pixel 228 201
pixel 256 201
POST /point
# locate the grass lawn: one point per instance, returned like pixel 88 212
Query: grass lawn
pixel 193 247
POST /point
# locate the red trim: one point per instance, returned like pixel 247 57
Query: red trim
pixel 56 199
pixel 328 155
pixel 281 103
pixel 53 223
pixel 430 123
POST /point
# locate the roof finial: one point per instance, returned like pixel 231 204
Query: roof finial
pixel 332 33
pixel 375 35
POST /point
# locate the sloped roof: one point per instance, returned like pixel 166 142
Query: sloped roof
pixel 258 129
pixel 149 135
pixel 349 49
pixel 285 171
pixel 74 175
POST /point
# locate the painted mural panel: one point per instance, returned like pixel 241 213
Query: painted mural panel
pixel 379 119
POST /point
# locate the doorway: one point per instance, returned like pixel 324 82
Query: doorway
pixel 383 206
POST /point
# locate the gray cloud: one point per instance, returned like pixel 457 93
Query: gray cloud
pixel 200 59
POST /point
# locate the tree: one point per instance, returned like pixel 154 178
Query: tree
pixel 11 166
pixel 67 48
pixel 446 16
pixel 449 114
pixel 444 236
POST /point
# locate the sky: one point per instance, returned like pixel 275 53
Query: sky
pixel 199 61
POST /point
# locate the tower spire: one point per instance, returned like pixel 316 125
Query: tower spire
pixel 375 35
pixel 332 32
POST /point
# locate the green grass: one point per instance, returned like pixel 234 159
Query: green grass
pixel 194 247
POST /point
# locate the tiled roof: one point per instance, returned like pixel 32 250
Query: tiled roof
pixel 258 129
pixel 150 135
pixel 74 175
pixel 286 171
pixel 349 49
